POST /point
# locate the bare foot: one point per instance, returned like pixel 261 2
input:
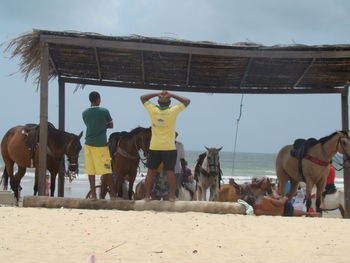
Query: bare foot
pixel 116 198
pixel 172 199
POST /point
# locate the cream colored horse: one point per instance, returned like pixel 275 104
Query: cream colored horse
pixel 315 165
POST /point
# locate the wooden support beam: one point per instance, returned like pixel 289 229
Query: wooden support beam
pixel 44 83
pixel 161 206
pixel 304 73
pixel 246 73
pixel 61 126
pixel 206 89
pixel 53 65
pixel 346 171
pixel 195 50
pixel 98 64
pixel 188 70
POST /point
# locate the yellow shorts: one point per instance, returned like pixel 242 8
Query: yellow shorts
pixel 97 160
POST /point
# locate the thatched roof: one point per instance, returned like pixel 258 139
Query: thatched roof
pixel 157 63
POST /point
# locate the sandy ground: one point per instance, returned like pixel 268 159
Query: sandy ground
pixel 72 235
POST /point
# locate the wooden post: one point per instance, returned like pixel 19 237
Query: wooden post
pixel 61 126
pixel 345 127
pixel 44 83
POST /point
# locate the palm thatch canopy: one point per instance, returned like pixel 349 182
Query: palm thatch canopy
pixel 154 63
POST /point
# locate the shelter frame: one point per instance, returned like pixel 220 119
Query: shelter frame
pixel 302 83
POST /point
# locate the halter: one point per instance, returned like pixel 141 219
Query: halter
pixel 347 157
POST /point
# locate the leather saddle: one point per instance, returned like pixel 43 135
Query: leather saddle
pixel 301 147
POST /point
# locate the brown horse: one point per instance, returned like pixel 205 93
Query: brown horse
pixel 233 191
pixel 15 150
pixel 312 166
pixel 124 149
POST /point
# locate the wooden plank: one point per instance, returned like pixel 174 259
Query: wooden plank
pixel 188 70
pixel 61 126
pixel 304 73
pixel 44 82
pixel 346 171
pixel 207 51
pixel 161 206
pixel 98 64
pixel 206 89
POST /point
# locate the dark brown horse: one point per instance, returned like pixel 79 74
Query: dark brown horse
pixel 14 149
pixel 124 148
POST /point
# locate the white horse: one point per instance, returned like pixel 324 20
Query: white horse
pixel 184 194
pixel 207 174
pixel 332 202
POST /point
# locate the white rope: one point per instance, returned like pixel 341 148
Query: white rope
pixel 236 135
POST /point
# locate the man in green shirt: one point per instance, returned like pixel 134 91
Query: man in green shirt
pixel 97 158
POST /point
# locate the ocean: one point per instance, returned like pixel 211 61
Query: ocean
pixel 241 167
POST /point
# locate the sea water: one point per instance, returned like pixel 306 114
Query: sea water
pixel 242 167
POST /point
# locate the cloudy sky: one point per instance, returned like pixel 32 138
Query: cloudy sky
pixel 268 121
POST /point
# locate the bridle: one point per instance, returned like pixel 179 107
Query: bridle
pixel 125 154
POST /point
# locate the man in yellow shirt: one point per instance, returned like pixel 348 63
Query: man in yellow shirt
pixel 162 147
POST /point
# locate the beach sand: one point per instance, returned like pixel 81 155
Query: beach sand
pixel 72 235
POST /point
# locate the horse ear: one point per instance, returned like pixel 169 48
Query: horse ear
pixel 206 148
pixel 220 148
pixel 81 134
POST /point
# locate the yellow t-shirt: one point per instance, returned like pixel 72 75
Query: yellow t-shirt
pixel 163 125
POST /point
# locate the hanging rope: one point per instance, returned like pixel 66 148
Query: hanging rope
pixel 237 125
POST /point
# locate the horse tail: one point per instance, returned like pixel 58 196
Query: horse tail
pixel 5 179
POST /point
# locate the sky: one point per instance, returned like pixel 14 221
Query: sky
pixel 268 122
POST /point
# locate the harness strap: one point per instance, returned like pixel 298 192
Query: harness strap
pixel 125 154
pixel 316 161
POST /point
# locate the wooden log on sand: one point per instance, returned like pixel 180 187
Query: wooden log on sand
pixel 177 206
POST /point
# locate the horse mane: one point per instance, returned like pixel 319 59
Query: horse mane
pixel 323 140
pixel 133 132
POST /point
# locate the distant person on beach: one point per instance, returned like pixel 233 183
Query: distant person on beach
pixel 97 157
pixel 187 180
pixel 162 147
pixel 180 164
pixel 330 186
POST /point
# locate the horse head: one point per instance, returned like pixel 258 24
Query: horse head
pixel 143 140
pixel 72 149
pixel 263 185
pixel 213 161
pixel 343 146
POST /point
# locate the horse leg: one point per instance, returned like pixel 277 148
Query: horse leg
pixel 282 181
pixel 342 211
pixel 8 172
pixel 36 182
pixel 131 185
pixel 53 173
pixel 293 189
pixel 309 186
pixel 200 193
pixel 17 180
pixel 213 192
pixel 320 186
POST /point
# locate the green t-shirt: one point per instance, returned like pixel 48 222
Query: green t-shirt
pixel 96 119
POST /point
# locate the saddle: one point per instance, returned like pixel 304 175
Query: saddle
pixel 301 147
pixel 241 190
